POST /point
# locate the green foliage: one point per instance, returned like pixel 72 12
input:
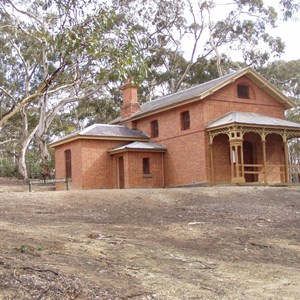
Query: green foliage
pixel 31 250
pixel 290 8
pixel 285 76
pixel 8 167
pixel 35 165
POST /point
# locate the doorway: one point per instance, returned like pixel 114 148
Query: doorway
pixel 121 172
pixel 248 152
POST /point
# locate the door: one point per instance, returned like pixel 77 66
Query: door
pixel 121 172
pixel 248 160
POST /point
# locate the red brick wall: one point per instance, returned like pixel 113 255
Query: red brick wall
pixel 185 161
pixel 225 100
pixel 91 163
pixel 221 159
pixel 60 170
pixel 275 157
pixel 133 170
pixel 96 170
pixel 135 175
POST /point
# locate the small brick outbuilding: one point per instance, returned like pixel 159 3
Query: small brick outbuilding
pixel 228 130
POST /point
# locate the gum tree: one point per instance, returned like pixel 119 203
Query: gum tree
pixel 57 53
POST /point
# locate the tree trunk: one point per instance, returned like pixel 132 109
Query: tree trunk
pixel 22 162
pixel 24 143
pixel 43 149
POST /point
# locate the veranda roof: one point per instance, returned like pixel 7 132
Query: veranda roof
pixel 251 119
pixel 140 146
pixel 104 131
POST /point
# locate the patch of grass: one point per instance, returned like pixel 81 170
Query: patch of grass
pixel 26 249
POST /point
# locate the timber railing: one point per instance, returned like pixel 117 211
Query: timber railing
pixel 31 182
pixel 293 171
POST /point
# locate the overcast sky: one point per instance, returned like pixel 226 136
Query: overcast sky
pixel 289 32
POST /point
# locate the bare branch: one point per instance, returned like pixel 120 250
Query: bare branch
pixel 43 87
pixel 213 44
pixel 24 12
pixel 8 94
pixel 28 33
pixel 8 141
pixel 19 53
pixel 66 101
pixel 197 35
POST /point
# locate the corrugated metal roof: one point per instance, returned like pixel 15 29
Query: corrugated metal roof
pixel 106 130
pixel 140 146
pixel 207 88
pixel 251 119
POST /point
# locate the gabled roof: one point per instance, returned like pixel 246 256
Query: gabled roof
pixel 205 89
pixel 251 119
pixel 104 131
pixel 140 146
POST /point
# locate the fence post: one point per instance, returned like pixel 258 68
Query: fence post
pixel 29 186
pixel 67 183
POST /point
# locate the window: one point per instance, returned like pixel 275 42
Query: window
pixel 154 129
pixel 243 91
pixel 185 120
pixel 68 163
pixel 146 165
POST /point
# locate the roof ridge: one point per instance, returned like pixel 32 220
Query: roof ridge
pixel 84 130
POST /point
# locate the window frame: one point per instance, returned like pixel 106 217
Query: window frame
pixel 243 91
pixel 154 128
pixel 185 120
pixel 68 163
pixel 146 167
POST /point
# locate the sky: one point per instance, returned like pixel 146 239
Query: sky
pixel 287 31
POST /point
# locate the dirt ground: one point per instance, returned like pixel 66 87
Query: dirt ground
pixel 187 243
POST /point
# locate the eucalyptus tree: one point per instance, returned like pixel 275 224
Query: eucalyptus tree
pixel 57 53
pixel 176 35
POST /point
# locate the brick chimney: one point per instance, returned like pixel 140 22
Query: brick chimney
pixel 130 99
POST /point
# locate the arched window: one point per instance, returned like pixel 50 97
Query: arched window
pixel 68 163
pixel 185 120
pixel 146 165
pixel 243 91
pixel 154 128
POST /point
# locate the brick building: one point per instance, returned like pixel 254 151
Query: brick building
pixel 229 130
